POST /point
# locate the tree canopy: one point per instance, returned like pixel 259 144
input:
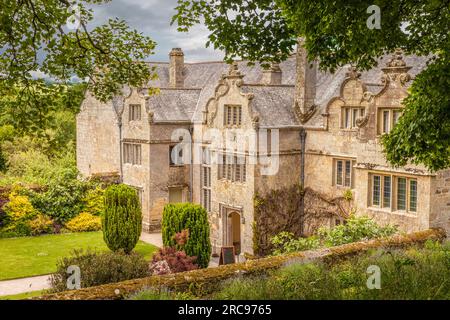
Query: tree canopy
pixel 336 33
pixel 53 37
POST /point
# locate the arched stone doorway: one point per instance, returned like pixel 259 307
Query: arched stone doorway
pixel 233 231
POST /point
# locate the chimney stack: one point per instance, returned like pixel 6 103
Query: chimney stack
pixel 273 75
pixel 305 84
pixel 176 66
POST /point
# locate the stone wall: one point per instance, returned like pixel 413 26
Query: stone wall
pixel 97 138
pixel 440 201
pixel 208 280
pixel 162 175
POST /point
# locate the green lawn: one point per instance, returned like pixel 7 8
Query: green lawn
pixel 31 256
pixel 22 296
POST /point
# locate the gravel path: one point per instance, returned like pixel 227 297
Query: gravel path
pixel 16 286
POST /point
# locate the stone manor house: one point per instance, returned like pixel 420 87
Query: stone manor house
pixel 327 126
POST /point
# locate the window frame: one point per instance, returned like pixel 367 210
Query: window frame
pixel 232 115
pixel 228 168
pixel 206 184
pixel 386 127
pixel 349 116
pixel 132 153
pixel 132 114
pixel 394 193
pixel 343 177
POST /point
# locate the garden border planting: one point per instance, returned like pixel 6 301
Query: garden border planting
pixel 208 279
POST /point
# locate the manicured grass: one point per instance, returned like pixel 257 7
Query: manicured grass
pixel 22 296
pixel 31 256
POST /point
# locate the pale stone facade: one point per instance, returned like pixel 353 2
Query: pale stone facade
pixel 340 116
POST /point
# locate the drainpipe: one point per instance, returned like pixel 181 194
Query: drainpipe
pixel 191 169
pixel 302 175
pixel 119 123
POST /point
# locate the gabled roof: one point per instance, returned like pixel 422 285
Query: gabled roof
pixel 273 103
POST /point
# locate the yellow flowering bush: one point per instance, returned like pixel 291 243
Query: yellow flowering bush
pixel 18 213
pixel 41 224
pixel 94 201
pixel 84 222
pixel 19 208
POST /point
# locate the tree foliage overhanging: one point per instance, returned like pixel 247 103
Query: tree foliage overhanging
pixel 336 34
pixel 54 37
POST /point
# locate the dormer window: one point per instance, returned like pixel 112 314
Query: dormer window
pixel 350 115
pixel 134 112
pixel 232 115
pixel 387 119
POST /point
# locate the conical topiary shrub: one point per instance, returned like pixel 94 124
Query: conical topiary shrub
pixel 122 219
pixel 194 218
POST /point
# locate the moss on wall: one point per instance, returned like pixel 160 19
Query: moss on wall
pixel 207 280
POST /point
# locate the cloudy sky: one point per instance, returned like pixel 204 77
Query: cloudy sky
pixel 152 17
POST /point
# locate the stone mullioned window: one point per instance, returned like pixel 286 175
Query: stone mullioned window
pixel 387 119
pixel 343 172
pixel 350 115
pixel 232 168
pixel 392 192
pixel 232 115
pixel 206 180
pixel 132 153
pixel 134 113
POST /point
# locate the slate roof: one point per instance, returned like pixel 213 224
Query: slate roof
pixel 173 104
pixel 273 103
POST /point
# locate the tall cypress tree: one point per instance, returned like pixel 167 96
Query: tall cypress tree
pixel 122 221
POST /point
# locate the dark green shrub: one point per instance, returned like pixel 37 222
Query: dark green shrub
pixel 3 162
pixel 99 268
pixel 3 217
pixel 122 219
pixel 180 216
pixel 63 199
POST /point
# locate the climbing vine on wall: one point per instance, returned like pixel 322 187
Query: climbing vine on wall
pixel 276 211
pixel 280 210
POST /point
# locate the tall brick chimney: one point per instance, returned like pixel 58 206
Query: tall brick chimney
pixel 273 75
pixel 305 84
pixel 176 66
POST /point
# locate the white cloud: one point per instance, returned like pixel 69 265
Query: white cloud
pixel 152 18
pixel 38 74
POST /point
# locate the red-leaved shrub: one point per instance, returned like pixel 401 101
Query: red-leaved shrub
pixel 173 259
pixel 177 261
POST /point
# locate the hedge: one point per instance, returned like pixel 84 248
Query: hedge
pixel 207 280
